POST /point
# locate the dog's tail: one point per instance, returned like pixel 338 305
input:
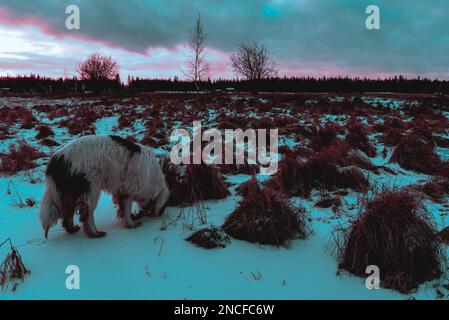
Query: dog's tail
pixel 48 213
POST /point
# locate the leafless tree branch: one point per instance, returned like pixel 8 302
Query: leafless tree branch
pixel 98 67
pixel 253 62
pixel 197 68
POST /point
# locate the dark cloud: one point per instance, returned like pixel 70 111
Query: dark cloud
pixel 414 35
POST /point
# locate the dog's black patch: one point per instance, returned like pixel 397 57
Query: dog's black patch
pixel 131 146
pixel 67 182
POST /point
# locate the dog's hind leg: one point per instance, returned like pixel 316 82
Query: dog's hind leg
pixel 87 214
pixel 67 221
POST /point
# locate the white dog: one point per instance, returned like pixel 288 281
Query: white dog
pixel 77 173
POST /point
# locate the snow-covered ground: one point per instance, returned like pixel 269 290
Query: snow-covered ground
pixel 155 262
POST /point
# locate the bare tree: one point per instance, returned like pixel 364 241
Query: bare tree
pixel 253 62
pixel 197 68
pixel 98 67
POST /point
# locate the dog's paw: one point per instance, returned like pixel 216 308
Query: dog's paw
pixel 133 224
pixel 73 229
pixel 98 234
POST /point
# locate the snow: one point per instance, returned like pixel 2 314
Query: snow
pixel 155 262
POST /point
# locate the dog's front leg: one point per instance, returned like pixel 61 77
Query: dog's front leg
pixel 89 224
pixel 125 207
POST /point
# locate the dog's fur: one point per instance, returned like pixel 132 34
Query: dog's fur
pixel 77 173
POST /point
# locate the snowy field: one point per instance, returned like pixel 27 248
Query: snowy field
pixel 154 261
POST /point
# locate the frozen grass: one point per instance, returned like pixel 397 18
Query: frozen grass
pixel 357 137
pixel 436 189
pixel 157 249
pixel 20 157
pixel 43 132
pixel 249 188
pixel 12 269
pixel 192 183
pixel 395 232
pixel 267 217
pixel 298 176
pixel 443 235
pixel 413 153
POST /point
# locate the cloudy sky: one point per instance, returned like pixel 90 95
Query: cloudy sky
pixel 305 37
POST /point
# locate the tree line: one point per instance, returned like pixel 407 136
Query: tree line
pixel 38 84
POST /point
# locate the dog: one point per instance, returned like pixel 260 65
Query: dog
pixel 78 172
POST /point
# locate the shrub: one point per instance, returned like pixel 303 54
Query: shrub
pixel 394 232
pixel 412 153
pixel 4 132
pixel 357 137
pixel 249 188
pixel 48 142
pixel 43 132
pixel 392 136
pixel 267 218
pixel 27 118
pixel 126 120
pixel 323 136
pixel 328 169
pixel 436 189
pixel 20 157
pixel 444 169
pixel 205 182
pixel 192 183
pixel 82 122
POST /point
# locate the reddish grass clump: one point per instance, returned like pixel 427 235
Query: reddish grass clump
pixel 249 188
pixel 192 183
pixel 209 238
pixel 4 132
pixel 324 170
pixel 392 136
pixel 44 132
pixel 323 136
pixel 12 268
pixel 436 189
pixel 394 232
pixel 444 169
pixel 267 217
pixel 205 182
pixel 20 157
pixel 293 177
pixel 443 235
pixel 412 153
pixel 27 119
pixel 48 142
pixel 357 137
pixel 82 122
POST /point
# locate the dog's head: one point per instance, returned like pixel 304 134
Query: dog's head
pixel 155 207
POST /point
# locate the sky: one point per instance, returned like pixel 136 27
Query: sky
pixel 304 37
